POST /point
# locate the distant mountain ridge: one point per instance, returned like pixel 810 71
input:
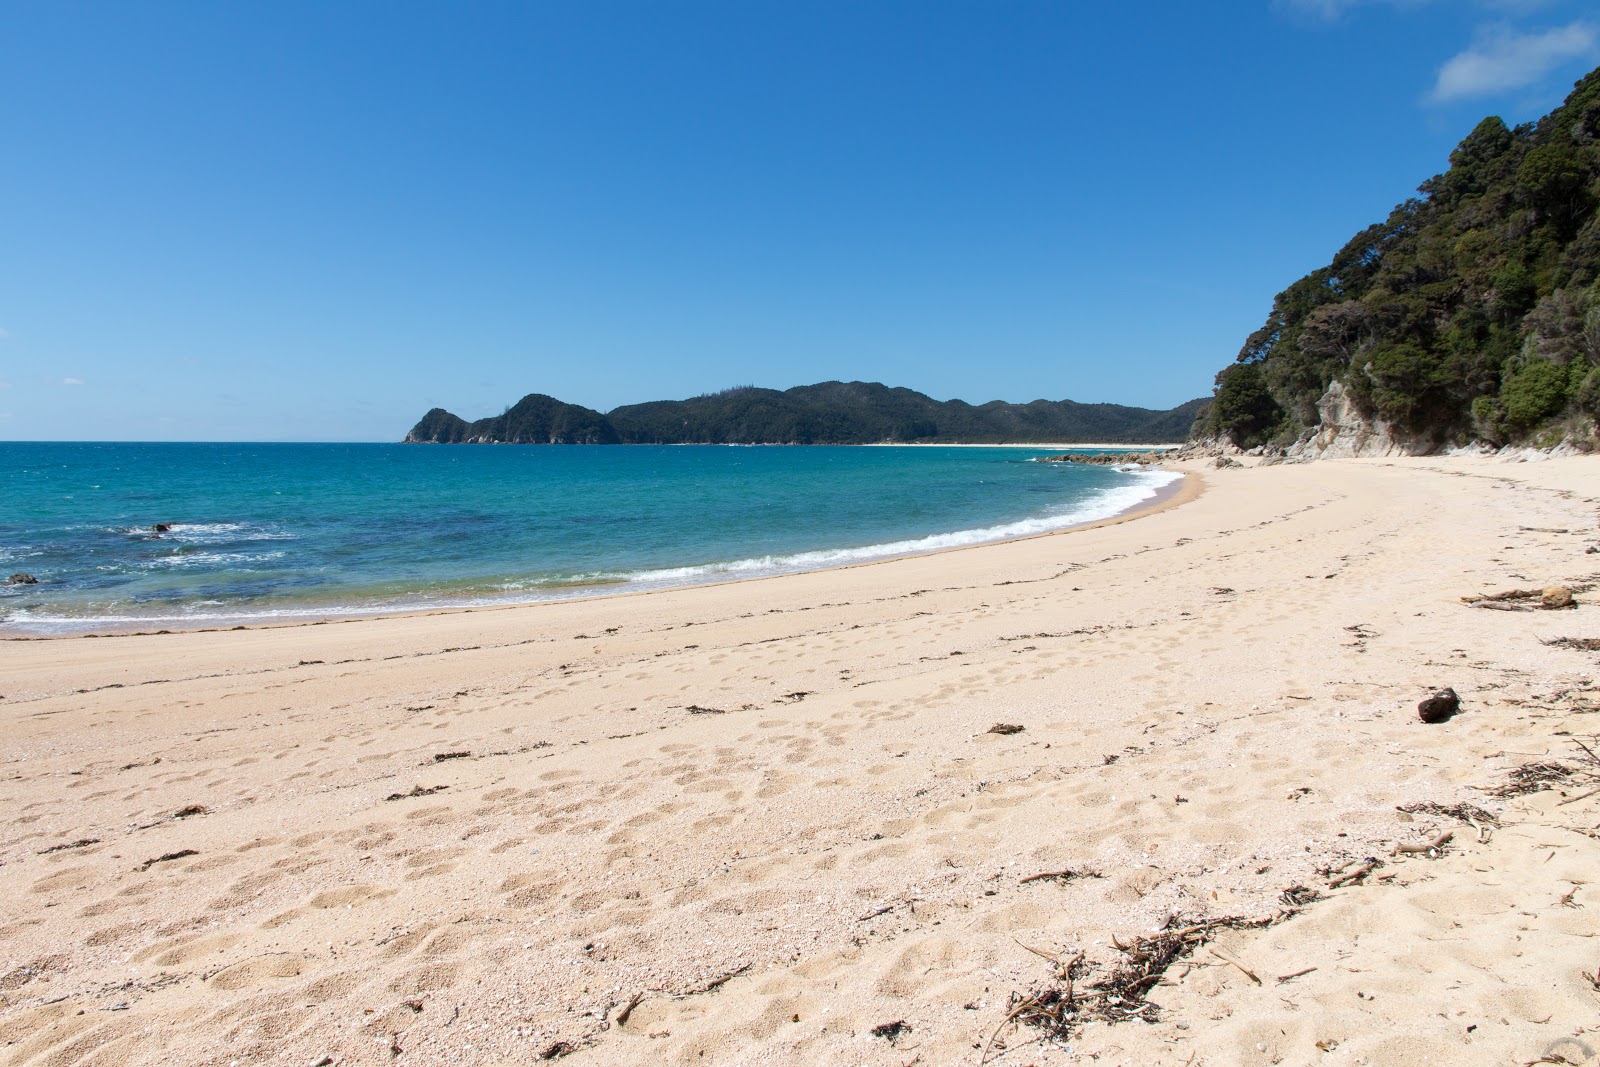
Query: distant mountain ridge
pixel 828 413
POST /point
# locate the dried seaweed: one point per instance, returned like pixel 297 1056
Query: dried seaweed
pixel 417 791
pixel 1582 644
pixel 169 857
pixel 1467 813
pixel 1533 778
pixel 82 842
pixel 1066 1002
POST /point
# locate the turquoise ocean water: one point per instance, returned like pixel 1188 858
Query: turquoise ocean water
pixel 264 532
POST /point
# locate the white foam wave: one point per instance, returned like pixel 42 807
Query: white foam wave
pixel 213 533
pixel 1102 504
pixel 185 560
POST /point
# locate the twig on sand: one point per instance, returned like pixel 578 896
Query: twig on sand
pixel 875 912
pixel 1282 978
pixel 713 985
pixel 1225 958
pixel 1064 875
pixel 1051 1008
pixel 626 1012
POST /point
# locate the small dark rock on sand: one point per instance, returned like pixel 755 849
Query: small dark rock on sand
pixel 1439 707
pixel 1006 728
pixel 22 579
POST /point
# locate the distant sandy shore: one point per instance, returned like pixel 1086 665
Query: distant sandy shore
pixel 770 822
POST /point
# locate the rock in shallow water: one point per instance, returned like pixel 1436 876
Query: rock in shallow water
pixel 22 579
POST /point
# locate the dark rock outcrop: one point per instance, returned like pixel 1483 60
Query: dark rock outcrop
pixel 1107 459
pixel 22 579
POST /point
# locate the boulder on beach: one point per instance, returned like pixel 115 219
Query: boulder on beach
pixel 1556 596
pixel 1439 707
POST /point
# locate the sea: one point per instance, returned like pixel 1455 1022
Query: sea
pixel 257 533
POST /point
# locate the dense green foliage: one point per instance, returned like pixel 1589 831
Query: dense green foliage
pixel 840 413
pixel 1473 311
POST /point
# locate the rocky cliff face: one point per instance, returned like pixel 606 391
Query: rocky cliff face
pixel 1342 432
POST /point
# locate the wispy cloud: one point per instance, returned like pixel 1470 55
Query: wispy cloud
pixel 1334 10
pixel 1504 59
pixel 72 381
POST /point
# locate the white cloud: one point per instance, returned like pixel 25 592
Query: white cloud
pixel 1504 59
pixel 72 381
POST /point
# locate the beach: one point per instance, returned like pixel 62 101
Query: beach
pixel 788 820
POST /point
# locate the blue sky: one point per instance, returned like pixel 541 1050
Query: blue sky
pixel 315 221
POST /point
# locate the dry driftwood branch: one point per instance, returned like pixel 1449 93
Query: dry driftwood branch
pixel 1352 875
pixel 1294 974
pixel 1437 843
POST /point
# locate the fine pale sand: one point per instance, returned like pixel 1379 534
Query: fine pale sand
pixel 771 817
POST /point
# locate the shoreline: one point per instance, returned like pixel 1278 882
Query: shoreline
pixel 1187 487
pixel 838 814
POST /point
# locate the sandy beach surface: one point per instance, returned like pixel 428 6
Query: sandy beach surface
pixel 771 822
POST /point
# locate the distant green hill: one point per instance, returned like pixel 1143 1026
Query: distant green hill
pixel 829 413
pixel 1472 312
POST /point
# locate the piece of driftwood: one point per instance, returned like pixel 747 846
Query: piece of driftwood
pixel 1435 845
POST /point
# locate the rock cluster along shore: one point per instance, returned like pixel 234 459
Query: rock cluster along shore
pixel 1108 459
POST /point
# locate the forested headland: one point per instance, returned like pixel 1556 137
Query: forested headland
pixel 1471 313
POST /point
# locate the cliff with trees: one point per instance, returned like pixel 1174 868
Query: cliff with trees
pixel 1472 313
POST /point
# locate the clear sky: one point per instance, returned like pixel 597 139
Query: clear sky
pixel 314 221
